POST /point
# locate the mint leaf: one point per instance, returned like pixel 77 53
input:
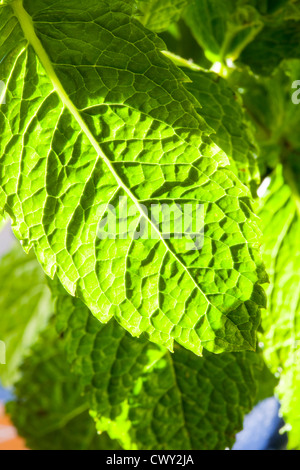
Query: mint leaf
pixel 25 308
pixel 148 398
pixel 87 121
pixel 280 214
pixel 50 411
pixel 111 372
pixel 158 15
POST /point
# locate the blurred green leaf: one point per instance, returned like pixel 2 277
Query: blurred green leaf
pixel 275 43
pixel 280 214
pixel 268 103
pixel 25 308
pixel 158 15
pixel 50 409
pixel 223 27
pixel 148 398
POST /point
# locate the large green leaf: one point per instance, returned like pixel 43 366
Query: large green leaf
pixel 148 398
pixel 281 223
pixel 50 410
pixel 95 112
pixel 25 308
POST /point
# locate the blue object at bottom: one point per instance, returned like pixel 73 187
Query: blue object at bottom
pixel 5 395
pixel 261 428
